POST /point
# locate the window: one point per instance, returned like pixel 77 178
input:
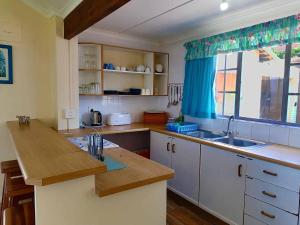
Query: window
pixel 226 83
pixel 262 84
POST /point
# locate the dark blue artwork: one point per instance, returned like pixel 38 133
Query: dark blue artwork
pixel 3 65
pixel 6 72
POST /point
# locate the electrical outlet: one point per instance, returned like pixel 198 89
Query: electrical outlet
pixel 69 113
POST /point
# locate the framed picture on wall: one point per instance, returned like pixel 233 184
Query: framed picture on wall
pixel 6 72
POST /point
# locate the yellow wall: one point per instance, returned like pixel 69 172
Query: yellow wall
pixel 33 92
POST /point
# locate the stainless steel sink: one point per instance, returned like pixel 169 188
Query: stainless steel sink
pixel 204 134
pixel 239 142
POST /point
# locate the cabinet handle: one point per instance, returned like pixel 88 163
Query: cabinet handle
pixel 173 148
pixel 267 214
pixel 240 170
pixel 168 146
pixel 269 194
pixel 270 173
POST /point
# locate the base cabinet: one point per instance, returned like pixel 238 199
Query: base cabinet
pixel 222 184
pixel 184 157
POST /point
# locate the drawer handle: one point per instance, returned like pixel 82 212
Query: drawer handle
pixel 173 148
pixel 270 173
pixel 240 170
pixel 168 146
pixel 267 215
pixel 269 194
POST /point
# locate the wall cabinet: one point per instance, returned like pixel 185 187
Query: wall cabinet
pixel 222 184
pixel 105 69
pixel 184 157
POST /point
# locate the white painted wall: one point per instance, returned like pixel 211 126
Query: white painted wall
pixel 33 90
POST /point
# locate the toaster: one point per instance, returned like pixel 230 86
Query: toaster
pixel 119 119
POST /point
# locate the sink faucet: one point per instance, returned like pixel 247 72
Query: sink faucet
pixel 228 132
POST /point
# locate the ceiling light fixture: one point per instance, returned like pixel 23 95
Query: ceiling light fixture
pixel 224 5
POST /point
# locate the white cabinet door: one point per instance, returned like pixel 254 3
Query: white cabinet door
pixel 160 148
pixel 186 163
pixel 222 183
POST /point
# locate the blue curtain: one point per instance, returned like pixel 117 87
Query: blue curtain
pixel 198 92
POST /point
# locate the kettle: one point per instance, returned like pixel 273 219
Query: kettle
pixel 96 118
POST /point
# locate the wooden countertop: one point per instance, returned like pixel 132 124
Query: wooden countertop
pixel 280 154
pixel 46 157
pixel 139 172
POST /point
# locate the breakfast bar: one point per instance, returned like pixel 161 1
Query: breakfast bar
pixel 72 188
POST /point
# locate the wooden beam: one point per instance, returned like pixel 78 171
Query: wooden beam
pixel 87 13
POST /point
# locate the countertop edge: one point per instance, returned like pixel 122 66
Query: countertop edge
pixel 133 185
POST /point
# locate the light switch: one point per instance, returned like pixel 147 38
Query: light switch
pixel 69 113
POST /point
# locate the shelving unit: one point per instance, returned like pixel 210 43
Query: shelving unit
pixel 92 58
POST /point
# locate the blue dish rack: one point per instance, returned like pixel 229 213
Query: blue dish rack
pixel 182 127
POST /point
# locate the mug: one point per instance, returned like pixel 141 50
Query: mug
pixel 118 68
pixel 105 66
pixel 123 68
pixel 111 66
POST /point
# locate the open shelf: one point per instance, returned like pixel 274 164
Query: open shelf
pixel 102 95
pixel 127 72
pixel 89 70
pixel 161 74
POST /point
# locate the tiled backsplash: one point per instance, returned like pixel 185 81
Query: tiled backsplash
pixel 272 133
pixel 135 105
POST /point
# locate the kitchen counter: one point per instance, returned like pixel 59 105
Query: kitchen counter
pixel 46 157
pixel 280 154
pixel 72 188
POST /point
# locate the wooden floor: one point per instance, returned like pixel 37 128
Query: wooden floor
pixel 182 212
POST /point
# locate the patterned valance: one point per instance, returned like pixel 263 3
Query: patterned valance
pixel 276 32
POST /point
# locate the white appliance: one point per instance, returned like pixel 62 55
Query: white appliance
pixel 119 119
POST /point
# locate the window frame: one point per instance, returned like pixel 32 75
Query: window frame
pixel 237 88
pixel 286 93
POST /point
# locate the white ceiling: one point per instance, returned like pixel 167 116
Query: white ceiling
pixel 158 20
pixel 53 7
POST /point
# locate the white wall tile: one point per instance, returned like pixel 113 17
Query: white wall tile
pixel 243 129
pixel 260 132
pixel 279 134
pixel 294 137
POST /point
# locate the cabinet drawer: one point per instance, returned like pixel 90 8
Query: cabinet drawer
pixel 282 176
pixel 248 220
pixel 274 195
pixel 267 213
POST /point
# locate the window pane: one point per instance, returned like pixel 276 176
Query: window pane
pixel 221 62
pixel 278 51
pixel 295 56
pixel 262 84
pixel 230 80
pixel 219 100
pixel 219 83
pixel 293 113
pixel 231 60
pixel 294 79
pixel 229 104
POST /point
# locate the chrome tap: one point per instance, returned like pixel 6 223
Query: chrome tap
pixel 228 132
